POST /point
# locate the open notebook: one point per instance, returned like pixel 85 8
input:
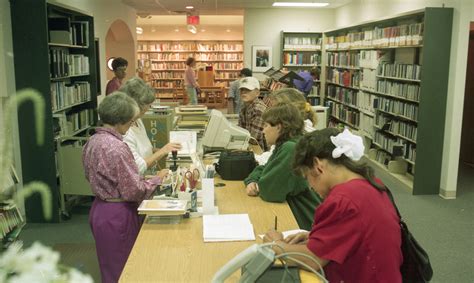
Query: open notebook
pixel 227 227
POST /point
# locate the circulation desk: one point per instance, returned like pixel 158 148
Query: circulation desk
pixel 177 252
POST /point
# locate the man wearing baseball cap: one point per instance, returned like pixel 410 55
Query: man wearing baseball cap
pixel 250 116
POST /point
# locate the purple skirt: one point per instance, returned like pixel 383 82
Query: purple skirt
pixel 115 226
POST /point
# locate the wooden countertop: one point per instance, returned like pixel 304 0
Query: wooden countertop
pixel 177 252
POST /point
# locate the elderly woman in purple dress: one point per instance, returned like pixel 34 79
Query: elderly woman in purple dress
pixel 111 170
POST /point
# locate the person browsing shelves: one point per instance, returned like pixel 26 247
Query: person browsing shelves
pixel 356 233
pixel 119 67
pixel 192 87
pixel 136 138
pixel 111 171
pixel 250 116
pixel 275 181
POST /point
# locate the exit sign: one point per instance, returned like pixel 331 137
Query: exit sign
pixel 193 20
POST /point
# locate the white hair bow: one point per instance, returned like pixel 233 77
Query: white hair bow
pixel 348 144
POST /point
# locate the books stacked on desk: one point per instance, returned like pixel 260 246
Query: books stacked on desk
pixel 159 207
pixel 192 117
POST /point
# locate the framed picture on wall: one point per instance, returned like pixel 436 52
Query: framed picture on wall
pixel 261 58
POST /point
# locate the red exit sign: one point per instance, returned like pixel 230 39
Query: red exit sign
pixel 193 20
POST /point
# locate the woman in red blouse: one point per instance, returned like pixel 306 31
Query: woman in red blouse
pixel 356 234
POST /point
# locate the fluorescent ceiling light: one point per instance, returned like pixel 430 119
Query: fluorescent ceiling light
pixel 299 4
pixel 190 7
pixel 139 30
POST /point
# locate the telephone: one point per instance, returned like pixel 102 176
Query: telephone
pixel 254 261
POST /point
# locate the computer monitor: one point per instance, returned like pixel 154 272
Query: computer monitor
pixel 220 134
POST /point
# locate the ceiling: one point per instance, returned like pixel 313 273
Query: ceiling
pixel 212 7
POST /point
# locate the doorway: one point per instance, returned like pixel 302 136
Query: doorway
pixel 119 43
pixel 466 156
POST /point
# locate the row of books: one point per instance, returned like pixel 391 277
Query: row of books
pixel 400 35
pixel 168 75
pixel 410 152
pixel 396 127
pixel 191 46
pixel 64 31
pixel 342 94
pixel 220 47
pixel 402 90
pixel 70 123
pixel 302 42
pixel 10 218
pixel 346 59
pixel 219 56
pixel 399 108
pixel 227 75
pixel 63 64
pixel 382 157
pixel 386 142
pixel 167 66
pixel 399 70
pixel 300 58
pixel 365 102
pixel 344 113
pixel 65 94
pixel 350 78
pixel 167 84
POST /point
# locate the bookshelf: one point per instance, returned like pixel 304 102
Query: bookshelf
pixel 303 51
pixel 162 63
pixel 387 79
pixel 62 67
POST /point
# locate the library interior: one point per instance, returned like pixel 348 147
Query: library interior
pixel 233 140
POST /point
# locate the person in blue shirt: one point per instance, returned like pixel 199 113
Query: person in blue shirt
pixel 234 92
pixel 306 84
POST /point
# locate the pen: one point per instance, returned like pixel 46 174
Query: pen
pixel 276 223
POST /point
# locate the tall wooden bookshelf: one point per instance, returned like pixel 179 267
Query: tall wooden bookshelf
pixel 54 54
pixel 163 62
pixel 388 80
pixel 302 51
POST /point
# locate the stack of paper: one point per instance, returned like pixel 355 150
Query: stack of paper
pixel 163 207
pixel 227 227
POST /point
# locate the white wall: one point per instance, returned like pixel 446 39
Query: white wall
pixel 7 85
pixel 366 10
pixel 105 12
pixel 264 26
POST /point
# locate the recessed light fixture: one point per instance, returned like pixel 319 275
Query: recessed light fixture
pixel 227 30
pixel 176 29
pixel 299 4
pixel 203 30
pixel 153 29
pixel 189 7
pixel 139 30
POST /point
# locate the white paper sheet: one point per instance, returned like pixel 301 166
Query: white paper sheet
pixel 187 139
pixel 227 227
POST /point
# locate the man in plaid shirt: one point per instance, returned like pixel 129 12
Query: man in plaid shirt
pixel 250 116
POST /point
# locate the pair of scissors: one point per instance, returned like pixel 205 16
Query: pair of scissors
pixel 192 178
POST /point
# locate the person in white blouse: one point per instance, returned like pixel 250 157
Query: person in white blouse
pixel 136 138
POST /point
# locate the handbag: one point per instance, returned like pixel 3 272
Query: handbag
pixel 416 265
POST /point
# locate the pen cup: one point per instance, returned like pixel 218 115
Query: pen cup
pixel 208 196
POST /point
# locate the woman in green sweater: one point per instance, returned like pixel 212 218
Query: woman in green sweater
pixel 275 181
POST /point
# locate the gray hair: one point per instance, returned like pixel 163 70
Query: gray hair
pixel 117 109
pixel 137 89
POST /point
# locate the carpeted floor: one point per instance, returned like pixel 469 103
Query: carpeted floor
pixel 445 228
